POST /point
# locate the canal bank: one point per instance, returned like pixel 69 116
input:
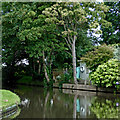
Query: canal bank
pixel 78 87
pixel 9 104
pixel 85 88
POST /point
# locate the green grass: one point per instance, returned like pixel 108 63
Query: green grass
pixel 25 79
pixel 8 99
pixel 28 80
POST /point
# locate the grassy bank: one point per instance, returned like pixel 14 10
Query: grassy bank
pixel 8 99
pixel 28 80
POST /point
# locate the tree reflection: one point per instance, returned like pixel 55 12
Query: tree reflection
pixel 46 100
pixel 75 106
pixel 81 106
pixel 69 104
pixel 11 114
pixel 106 108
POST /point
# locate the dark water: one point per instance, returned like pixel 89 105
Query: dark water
pixel 43 103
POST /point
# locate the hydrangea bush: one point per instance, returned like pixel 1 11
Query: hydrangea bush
pixel 107 75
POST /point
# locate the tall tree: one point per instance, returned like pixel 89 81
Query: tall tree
pixel 111 35
pixel 39 37
pixel 75 17
pixel 21 29
pixel 13 48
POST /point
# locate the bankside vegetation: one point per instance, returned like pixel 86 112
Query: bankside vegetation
pixel 107 75
pixel 55 36
pixel 104 64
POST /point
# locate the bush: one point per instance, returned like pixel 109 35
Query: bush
pixel 65 78
pixel 107 74
pixel 98 56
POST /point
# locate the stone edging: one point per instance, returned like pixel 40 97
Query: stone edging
pixel 85 88
pixel 8 111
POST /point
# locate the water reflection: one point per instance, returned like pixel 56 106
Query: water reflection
pixel 66 104
pixel 81 106
pixel 106 108
pixel 46 100
pixel 25 103
pixel 82 103
pixel 75 106
pixel 10 114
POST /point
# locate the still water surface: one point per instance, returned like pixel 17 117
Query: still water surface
pixel 55 103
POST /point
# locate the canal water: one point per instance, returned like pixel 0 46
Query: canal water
pixel 39 102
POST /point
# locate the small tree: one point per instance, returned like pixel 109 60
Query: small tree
pixel 98 56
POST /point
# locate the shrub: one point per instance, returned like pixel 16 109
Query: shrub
pixel 65 78
pixel 98 56
pixel 107 74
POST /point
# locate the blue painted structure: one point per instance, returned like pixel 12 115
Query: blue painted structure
pixel 78 72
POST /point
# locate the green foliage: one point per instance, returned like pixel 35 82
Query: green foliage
pixel 98 56
pixel 48 84
pixel 73 18
pixel 105 108
pixel 25 34
pixel 29 81
pixel 107 74
pixel 13 15
pixel 83 43
pixel 25 79
pixel 65 78
pixel 62 82
pixel 116 50
pixel 111 35
pixel 31 28
pixel 45 83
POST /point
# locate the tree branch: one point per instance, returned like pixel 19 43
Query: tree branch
pixel 68 44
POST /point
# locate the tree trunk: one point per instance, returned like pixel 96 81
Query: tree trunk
pixel 74 61
pixel 50 62
pixel 45 70
pixel 39 67
pixel 33 65
pixel 50 65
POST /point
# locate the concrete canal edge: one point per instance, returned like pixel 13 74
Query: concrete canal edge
pixel 78 87
pixel 85 88
pixel 9 103
pixel 8 111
